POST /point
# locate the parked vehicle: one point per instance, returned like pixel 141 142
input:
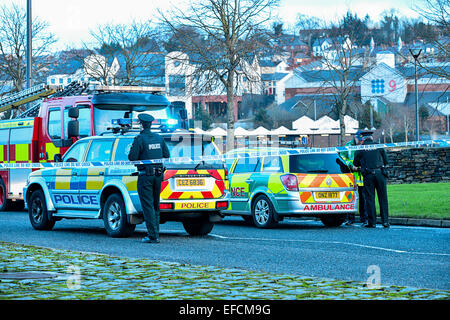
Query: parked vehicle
pixel 266 189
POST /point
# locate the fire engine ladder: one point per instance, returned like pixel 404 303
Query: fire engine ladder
pixel 25 96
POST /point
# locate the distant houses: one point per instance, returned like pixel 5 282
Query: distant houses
pixel 294 81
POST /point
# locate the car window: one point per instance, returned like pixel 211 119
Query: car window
pixel 100 150
pixel 229 163
pixel 246 165
pixel 54 123
pixel 76 153
pixel 317 163
pixel 272 164
pixel 123 149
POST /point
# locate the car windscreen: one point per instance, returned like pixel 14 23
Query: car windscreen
pixel 317 163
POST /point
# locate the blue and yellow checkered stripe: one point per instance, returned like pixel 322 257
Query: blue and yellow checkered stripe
pixel 87 179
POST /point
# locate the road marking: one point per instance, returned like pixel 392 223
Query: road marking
pixel 329 242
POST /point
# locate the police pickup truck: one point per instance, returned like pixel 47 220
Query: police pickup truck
pixel 193 193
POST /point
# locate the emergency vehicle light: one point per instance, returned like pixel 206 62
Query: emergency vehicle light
pixel 129 89
pixel 172 122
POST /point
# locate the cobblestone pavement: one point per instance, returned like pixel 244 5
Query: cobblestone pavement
pixel 63 274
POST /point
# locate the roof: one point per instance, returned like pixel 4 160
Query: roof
pixel 310 105
pixel 273 76
pixel 354 74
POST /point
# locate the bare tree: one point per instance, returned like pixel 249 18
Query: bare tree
pixel 438 13
pixel 346 63
pixel 231 33
pixel 13 44
pixel 132 46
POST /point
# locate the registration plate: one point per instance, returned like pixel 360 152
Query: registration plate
pixel 194 205
pixel 327 195
pixel 190 182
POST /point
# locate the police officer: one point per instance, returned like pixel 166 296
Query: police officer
pixel 372 163
pixel 349 156
pixel 148 146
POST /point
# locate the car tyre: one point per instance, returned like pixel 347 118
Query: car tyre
pixel 263 212
pixel 4 202
pixel 115 218
pixel 332 221
pixel 37 212
pixel 198 227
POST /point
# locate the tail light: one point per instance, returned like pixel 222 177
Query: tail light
pixel 166 206
pixel 290 182
pixel 221 204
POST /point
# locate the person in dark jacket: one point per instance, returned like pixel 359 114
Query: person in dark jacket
pixel 372 163
pixel 149 146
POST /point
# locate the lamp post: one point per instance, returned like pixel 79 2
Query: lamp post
pixel 29 45
pixel 416 53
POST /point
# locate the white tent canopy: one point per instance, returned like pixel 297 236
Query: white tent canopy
pixel 301 126
pixel 260 131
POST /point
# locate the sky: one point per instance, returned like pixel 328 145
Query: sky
pixel 71 21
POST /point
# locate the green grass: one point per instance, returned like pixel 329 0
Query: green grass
pixel 420 200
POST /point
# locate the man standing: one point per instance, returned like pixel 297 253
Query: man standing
pixel 349 156
pixel 149 146
pixel 372 163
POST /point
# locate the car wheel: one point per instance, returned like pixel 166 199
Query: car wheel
pixel 198 227
pixel 37 212
pixel 4 202
pixel 332 221
pixel 115 218
pixel 263 212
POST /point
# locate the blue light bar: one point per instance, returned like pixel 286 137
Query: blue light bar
pixel 172 122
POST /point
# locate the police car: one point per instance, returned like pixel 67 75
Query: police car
pixel 265 189
pixel 193 193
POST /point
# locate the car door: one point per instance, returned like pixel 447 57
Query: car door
pixel 269 178
pixel 64 182
pixel 92 179
pixel 242 182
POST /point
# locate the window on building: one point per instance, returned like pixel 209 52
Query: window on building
pixel 177 85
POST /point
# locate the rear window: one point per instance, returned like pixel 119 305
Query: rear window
pixel 317 163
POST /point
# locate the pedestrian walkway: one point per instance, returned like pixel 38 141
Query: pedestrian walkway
pixel 29 272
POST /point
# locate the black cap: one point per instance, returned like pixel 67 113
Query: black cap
pixel 144 117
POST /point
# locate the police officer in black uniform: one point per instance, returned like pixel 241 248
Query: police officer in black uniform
pixel 148 146
pixel 372 163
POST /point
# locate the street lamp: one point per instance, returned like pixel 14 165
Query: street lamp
pixel 29 45
pixel 415 52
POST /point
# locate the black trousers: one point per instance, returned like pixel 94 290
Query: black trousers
pixel 149 190
pixel 362 208
pixel 375 180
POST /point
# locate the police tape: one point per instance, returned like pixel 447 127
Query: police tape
pixel 237 153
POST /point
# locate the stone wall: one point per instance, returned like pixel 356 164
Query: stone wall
pixel 419 165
